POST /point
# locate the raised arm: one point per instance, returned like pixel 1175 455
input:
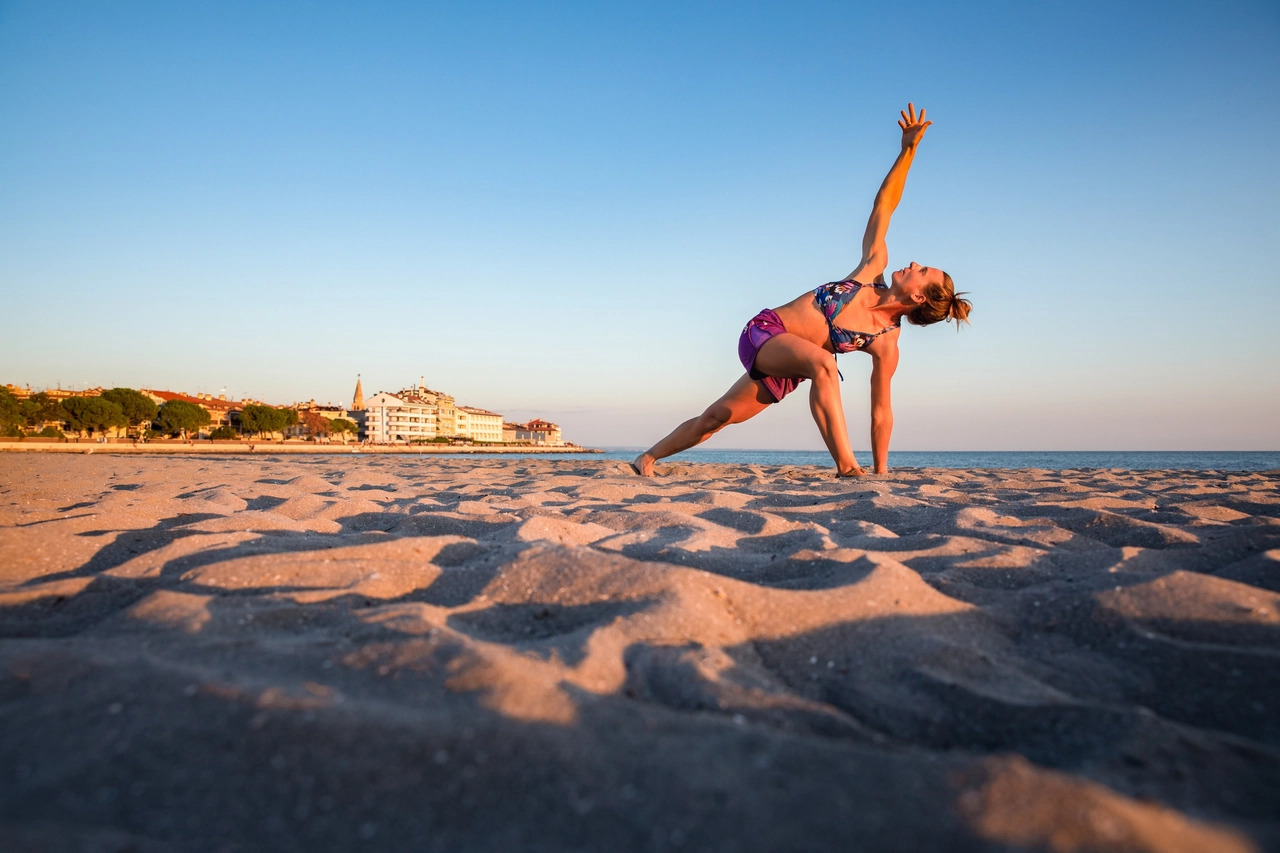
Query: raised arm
pixel 875 255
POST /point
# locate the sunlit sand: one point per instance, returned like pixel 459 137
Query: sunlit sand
pixel 501 654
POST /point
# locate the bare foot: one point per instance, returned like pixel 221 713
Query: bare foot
pixel 643 465
pixel 855 471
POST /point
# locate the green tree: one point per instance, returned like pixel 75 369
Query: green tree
pixel 93 414
pixel 138 407
pixel 224 432
pixel 266 419
pixel 255 418
pixel 180 417
pixel 10 412
pixel 40 409
pixel 342 426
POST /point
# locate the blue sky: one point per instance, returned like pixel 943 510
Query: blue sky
pixel 570 210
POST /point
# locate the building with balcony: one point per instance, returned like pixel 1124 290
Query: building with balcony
pixel 477 424
pixel 446 420
pixel 398 418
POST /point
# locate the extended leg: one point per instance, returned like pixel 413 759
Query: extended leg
pixel 746 399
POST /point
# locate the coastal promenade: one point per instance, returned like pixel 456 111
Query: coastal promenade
pixel 166 448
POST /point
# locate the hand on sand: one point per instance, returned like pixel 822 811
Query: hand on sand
pixel 913 126
pixel 643 465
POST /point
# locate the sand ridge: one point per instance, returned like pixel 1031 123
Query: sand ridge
pixel 324 653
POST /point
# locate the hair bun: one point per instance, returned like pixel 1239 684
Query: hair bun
pixel 941 302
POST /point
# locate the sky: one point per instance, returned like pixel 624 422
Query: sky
pixel 569 210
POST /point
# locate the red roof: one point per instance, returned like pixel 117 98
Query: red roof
pixel 199 401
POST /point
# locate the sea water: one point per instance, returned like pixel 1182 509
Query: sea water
pixel 1055 460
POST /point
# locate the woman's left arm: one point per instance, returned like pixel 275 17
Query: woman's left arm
pixel 883 364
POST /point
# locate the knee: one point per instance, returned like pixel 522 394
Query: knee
pixel 713 419
pixel 824 371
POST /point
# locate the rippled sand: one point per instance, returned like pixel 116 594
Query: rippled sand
pixel 394 654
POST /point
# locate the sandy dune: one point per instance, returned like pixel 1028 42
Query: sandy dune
pixel 388 653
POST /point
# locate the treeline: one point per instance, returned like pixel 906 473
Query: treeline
pixel 124 408
pixel 114 409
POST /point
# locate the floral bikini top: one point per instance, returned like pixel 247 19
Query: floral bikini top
pixel 831 298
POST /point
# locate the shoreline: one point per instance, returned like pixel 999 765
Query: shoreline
pixel 266 448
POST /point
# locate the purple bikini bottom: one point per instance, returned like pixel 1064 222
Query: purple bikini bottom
pixel 761 328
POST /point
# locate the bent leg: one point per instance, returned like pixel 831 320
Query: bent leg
pixel 747 398
pixel 790 355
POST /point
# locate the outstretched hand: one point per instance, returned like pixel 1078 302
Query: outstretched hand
pixel 913 126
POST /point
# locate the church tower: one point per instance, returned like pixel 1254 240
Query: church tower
pixel 357 402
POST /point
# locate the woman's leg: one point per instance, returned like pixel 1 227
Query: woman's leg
pixel 746 399
pixel 789 355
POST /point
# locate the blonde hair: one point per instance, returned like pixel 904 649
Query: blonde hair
pixel 941 302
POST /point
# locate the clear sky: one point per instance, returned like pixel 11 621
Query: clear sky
pixel 569 210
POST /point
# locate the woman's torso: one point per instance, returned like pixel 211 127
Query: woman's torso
pixel 804 318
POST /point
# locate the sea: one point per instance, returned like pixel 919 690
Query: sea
pixel 1054 460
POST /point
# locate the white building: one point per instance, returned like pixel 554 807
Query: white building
pixel 477 424
pixel 391 419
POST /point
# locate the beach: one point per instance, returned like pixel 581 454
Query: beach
pixel 382 652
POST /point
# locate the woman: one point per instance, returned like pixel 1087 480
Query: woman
pixel 781 348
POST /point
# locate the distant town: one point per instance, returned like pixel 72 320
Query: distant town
pixel 415 415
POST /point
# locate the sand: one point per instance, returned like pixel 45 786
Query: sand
pixel 388 653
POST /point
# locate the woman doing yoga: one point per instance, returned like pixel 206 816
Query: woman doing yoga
pixel 782 347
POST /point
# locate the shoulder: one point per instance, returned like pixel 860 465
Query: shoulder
pixel 884 349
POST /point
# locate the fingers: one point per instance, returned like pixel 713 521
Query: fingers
pixel 910 118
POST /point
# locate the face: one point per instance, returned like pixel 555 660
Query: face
pixel 911 280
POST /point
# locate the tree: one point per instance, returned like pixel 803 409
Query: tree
pixel 342 426
pixel 40 409
pixel 266 419
pixel 138 407
pixel 179 416
pixel 316 424
pixel 259 419
pixel 10 412
pixel 224 433
pixel 93 414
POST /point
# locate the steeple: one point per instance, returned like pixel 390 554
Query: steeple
pixel 357 402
